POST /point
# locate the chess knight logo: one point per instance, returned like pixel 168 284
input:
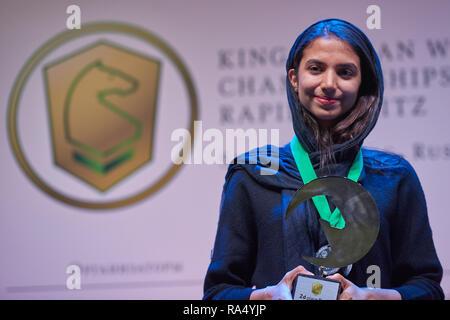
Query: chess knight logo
pixel 101 103
pixel 89 103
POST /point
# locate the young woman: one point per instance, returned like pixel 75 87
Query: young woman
pixel 335 92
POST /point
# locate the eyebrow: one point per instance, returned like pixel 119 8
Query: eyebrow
pixel 348 64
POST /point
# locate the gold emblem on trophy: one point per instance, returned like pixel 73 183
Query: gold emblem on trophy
pixel 316 288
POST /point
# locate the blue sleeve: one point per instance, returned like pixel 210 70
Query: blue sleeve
pixel 417 272
pixel 232 262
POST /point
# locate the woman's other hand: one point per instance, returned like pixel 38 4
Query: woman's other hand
pixel 281 291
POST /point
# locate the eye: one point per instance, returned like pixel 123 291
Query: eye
pixel 346 73
pixel 314 68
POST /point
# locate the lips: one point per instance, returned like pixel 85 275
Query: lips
pixel 326 100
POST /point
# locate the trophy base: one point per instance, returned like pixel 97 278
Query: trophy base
pixel 306 287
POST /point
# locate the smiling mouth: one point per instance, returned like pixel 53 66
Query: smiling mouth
pixel 326 101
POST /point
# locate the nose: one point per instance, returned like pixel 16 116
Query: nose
pixel 328 84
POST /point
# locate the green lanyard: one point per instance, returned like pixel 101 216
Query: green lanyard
pixel 308 174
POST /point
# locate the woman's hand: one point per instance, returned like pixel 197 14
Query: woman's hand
pixel 350 291
pixel 281 291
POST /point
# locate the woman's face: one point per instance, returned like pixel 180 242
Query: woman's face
pixel 328 79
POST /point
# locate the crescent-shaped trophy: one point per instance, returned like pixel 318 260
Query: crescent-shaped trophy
pixel 360 213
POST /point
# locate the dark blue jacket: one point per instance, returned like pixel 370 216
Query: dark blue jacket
pixel 256 246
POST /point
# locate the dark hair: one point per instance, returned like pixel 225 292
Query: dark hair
pixel 370 93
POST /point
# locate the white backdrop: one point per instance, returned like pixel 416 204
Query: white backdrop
pixel 235 51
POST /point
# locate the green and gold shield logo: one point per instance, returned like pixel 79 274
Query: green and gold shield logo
pixel 100 111
pixel 102 102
